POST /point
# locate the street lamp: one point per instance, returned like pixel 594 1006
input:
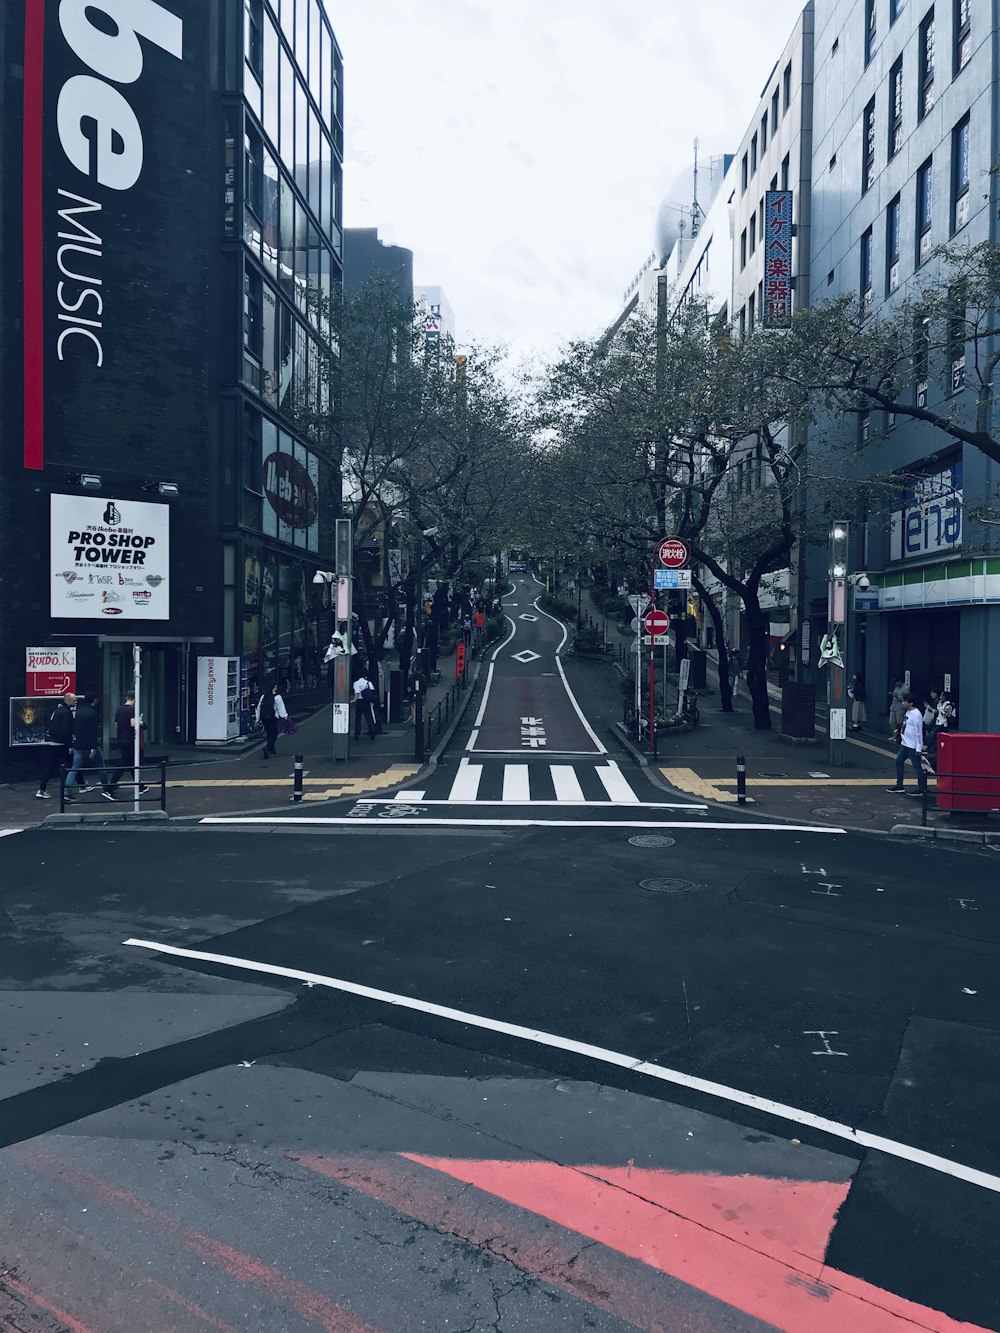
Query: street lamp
pixel 834 646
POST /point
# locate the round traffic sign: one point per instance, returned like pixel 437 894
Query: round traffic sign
pixel 673 553
pixel 656 622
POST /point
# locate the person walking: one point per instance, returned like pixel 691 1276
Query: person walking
pixel 58 744
pixel 467 630
pixel 896 709
pixel 125 741
pixel 365 695
pixel 270 710
pixel 911 746
pixel 859 712
pixel 87 748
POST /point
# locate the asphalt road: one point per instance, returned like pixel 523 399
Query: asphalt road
pixel 388 1078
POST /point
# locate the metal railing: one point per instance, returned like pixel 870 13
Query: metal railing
pixel 158 787
pixel 946 794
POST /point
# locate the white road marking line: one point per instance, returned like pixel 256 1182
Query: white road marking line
pixel 435 821
pixel 515 784
pixel 466 782
pixel 861 1137
pixel 565 782
pixel 489 680
pixel 6 832
pixel 615 783
pixel 614 805
pixel 601 749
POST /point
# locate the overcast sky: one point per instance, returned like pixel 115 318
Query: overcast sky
pixel 520 149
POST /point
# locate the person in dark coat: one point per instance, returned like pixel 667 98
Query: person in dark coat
pixel 859 695
pixel 125 740
pixel 270 708
pixel 58 744
pixel 87 748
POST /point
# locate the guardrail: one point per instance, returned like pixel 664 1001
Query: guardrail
pixel 939 795
pixel 159 796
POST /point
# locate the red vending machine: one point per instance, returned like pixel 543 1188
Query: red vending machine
pixel 968 770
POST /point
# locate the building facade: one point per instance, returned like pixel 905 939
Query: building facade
pixel 171 180
pixel 905 142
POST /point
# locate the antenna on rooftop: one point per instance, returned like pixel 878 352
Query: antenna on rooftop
pixel 696 213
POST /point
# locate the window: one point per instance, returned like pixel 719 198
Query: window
pixel 252 320
pixel 868 147
pixel 271 49
pixel 753 155
pixel 253 157
pixel 960 174
pixel 786 167
pixel 286 125
pixel 921 356
pixel 743 323
pixel 750 312
pixel 866 273
pixel 743 250
pixel 753 233
pixel 896 107
pixel 956 342
pixel 864 428
pixel 744 173
pixel 763 135
pixel 871 30
pixel 774 183
pixel 963 35
pixel 775 100
pixel 760 221
pixel 830 276
pixel 833 161
pixel 926 75
pixel 925 200
pixel 896 8
pixel 786 88
pixel 892 246
pixel 253 49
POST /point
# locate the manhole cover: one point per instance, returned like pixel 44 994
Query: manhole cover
pixel 671 886
pixel 651 840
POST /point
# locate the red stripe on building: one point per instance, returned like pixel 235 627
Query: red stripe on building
pixel 33 323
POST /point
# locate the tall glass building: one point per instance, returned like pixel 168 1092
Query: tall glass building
pixel 169 238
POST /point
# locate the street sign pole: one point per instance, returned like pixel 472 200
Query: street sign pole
pixel 137 724
pixel 344 568
pixel 652 668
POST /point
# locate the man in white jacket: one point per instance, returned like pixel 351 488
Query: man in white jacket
pixel 911 746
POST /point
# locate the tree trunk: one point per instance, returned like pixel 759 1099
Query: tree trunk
pixel 725 684
pixel 758 628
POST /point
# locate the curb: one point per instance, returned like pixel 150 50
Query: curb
pixel 970 837
pixel 126 817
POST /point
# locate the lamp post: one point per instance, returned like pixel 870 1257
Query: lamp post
pixel 835 650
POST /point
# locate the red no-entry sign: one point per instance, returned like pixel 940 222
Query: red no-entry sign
pixel 657 623
pixel 672 553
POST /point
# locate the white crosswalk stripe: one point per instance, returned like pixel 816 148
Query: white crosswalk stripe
pixel 500 783
pixel 6 832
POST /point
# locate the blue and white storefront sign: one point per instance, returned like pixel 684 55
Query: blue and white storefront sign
pixel 926 517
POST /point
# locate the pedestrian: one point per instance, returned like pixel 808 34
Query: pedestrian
pixel 87 748
pixel 270 709
pixel 58 744
pixel 946 718
pixel 467 631
pixel 911 746
pixel 896 709
pixel 365 695
pixel 125 741
pixel 857 692
pixel 735 668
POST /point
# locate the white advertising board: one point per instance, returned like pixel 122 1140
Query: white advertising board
pixel 109 559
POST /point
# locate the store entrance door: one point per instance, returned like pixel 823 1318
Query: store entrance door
pixel 925 643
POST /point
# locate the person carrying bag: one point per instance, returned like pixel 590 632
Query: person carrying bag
pixel 270 711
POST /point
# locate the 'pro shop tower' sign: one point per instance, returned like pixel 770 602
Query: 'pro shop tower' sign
pixel 109 558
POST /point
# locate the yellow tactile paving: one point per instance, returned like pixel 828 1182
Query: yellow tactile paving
pixel 687 780
pixel 336 786
pixel 816 782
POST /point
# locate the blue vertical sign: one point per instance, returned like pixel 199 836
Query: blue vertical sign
pixel 777 257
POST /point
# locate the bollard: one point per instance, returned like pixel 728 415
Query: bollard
pixel 741 779
pixel 297 778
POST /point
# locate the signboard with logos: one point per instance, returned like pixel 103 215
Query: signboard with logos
pixel 672 578
pixel 49 671
pixel 926 516
pixel 109 559
pixel 777 257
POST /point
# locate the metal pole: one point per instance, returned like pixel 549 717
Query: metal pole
pixel 137 726
pixel 652 666
pixel 297 778
pixel 418 720
pixel 741 779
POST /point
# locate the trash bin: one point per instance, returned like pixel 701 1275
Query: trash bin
pixel 798 710
pixel 696 680
pixel 968 771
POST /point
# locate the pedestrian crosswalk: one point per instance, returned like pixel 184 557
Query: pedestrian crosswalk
pixel 494 782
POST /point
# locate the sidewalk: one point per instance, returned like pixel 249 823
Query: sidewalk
pixel 200 783
pixel 794 781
